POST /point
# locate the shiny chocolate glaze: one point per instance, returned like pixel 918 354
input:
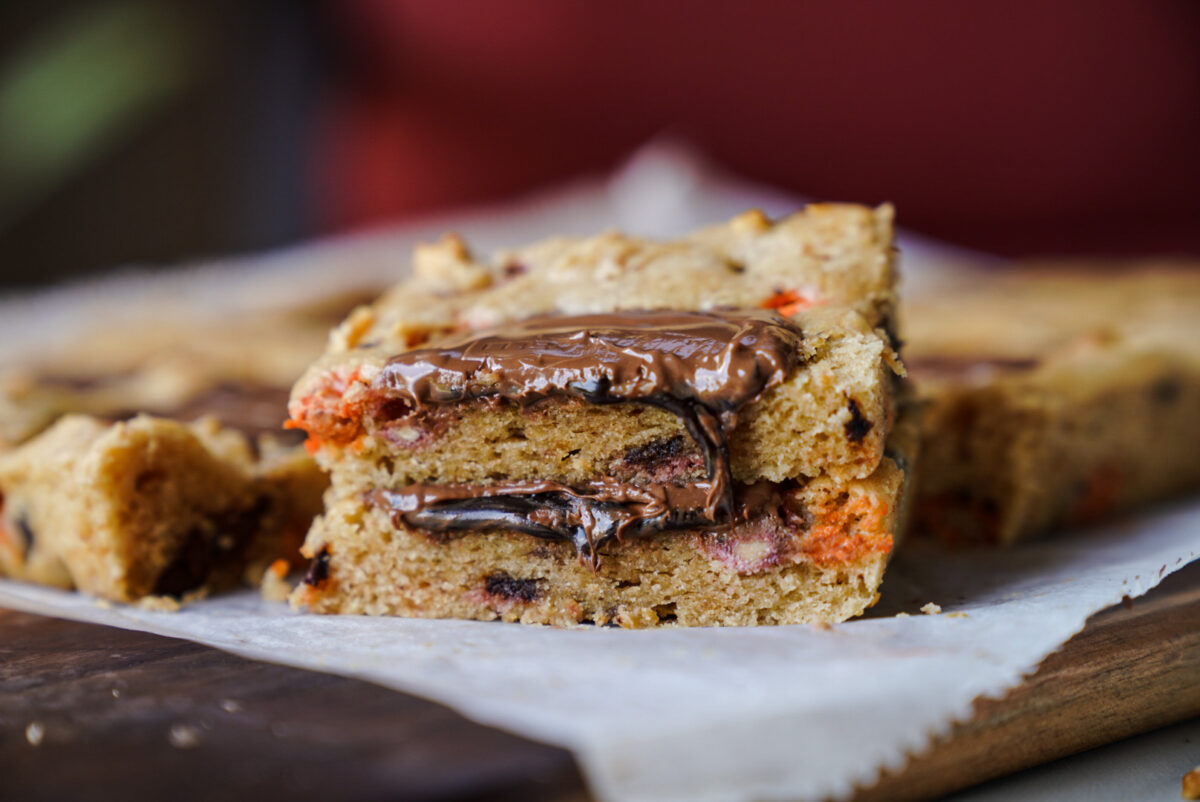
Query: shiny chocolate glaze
pixel 701 366
pixel 589 516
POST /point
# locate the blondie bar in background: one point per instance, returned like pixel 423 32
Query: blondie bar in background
pixel 1059 394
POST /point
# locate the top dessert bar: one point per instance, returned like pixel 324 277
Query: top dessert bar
pixel 829 255
pixel 1060 393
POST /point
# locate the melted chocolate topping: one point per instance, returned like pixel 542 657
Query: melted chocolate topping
pixel 718 360
pixel 701 366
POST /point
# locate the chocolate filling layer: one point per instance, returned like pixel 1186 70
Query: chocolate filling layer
pixel 588 517
pixel 701 366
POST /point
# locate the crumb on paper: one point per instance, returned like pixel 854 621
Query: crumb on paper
pixel 822 626
pixel 274 586
pixel 103 604
pixel 184 736
pixel 170 604
pixel 35 731
pixel 903 615
pixel 956 615
pixel 932 609
pixel 1191 784
pixel 231 706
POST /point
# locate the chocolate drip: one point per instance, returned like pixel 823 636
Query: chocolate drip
pixel 700 366
pixel 588 517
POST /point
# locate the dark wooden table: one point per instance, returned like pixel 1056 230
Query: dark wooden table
pixel 130 716
pixel 125 715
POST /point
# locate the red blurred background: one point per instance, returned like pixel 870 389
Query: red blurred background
pixel 1018 127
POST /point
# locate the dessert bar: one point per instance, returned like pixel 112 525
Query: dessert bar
pixel 1058 394
pixel 150 507
pixel 691 432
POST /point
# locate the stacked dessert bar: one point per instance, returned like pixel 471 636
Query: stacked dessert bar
pixel 620 431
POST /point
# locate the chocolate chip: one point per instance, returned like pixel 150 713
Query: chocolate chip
pixel 1166 390
pixel 654 454
pixel 796 514
pixel 187 568
pixel 26 531
pixel 318 571
pixel 503 585
pixel 393 409
pixel 858 426
pixel 211 549
pixel 514 269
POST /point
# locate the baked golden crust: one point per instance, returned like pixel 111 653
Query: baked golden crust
pixel 828 254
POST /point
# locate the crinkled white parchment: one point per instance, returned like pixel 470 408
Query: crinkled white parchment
pixel 699 714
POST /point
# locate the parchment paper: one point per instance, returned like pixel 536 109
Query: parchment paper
pixel 703 714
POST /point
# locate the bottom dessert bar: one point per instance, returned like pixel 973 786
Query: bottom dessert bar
pixel 815 555
pixel 1056 397
pixel 150 507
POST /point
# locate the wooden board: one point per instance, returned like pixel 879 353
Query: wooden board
pixel 247 730
pixel 1134 668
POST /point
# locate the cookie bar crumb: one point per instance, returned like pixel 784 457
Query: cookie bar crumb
pixel 171 604
pixel 932 609
pixel 274 586
pixel 1191 784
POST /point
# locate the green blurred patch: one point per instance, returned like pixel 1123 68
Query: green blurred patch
pixel 79 86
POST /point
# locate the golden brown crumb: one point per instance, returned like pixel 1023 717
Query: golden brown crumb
pixel 274 586
pixel 932 609
pixel 1191 784
pixel 171 604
